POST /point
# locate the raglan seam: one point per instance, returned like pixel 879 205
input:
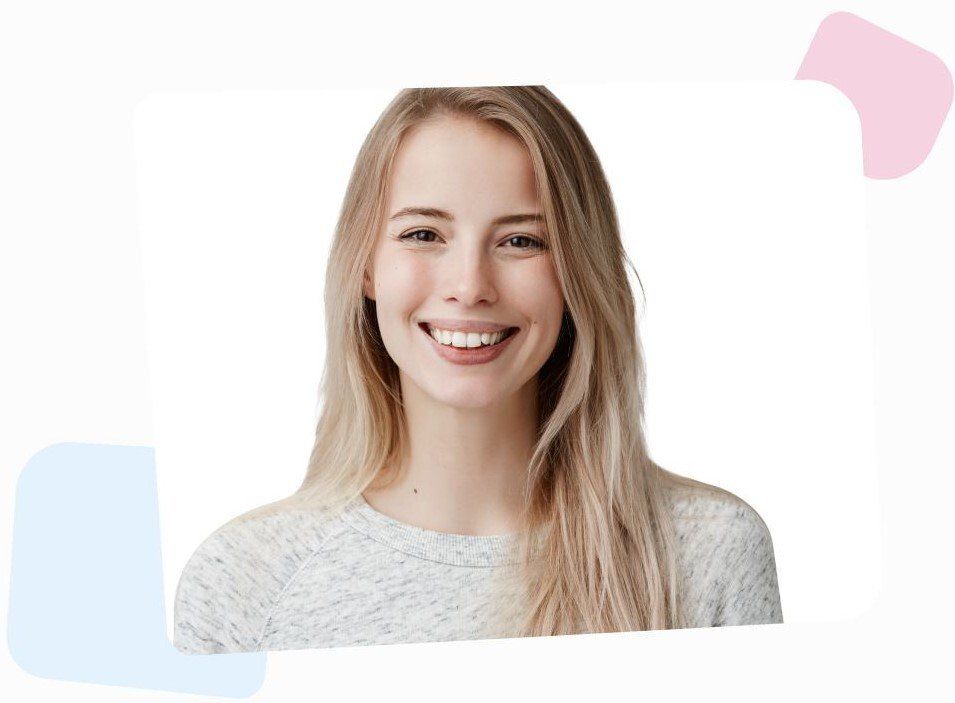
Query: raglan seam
pixel 281 595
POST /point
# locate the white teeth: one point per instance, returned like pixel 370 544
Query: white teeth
pixel 466 340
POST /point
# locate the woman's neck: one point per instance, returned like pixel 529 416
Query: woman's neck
pixel 464 469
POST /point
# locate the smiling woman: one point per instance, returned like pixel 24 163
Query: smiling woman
pixel 479 467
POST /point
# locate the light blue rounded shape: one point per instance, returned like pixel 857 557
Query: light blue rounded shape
pixel 86 596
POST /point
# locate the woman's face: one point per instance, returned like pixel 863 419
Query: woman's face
pixel 463 250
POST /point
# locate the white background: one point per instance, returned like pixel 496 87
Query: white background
pixel 741 205
pixel 74 365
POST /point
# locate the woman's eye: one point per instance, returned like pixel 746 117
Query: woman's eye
pixel 412 235
pixel 532 243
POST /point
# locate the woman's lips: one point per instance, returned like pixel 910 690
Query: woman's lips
pixel 474 355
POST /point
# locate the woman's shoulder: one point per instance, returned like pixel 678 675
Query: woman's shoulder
pixel 695 505
pixel 228 587
pixel 727 557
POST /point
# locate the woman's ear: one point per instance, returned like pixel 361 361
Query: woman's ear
pixel 368 285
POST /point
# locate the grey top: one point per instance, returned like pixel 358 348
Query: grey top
pixel 299 580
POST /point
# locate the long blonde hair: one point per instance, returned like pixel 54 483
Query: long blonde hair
pixel 593 496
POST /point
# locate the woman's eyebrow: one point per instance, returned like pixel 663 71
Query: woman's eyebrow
pixel 518 219
pixel 444 215
pixel 423 212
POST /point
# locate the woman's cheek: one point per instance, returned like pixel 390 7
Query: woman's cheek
pixel 414 279
pixel 402 273
pixel 537 288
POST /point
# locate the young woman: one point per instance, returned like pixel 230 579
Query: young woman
pixel 479 468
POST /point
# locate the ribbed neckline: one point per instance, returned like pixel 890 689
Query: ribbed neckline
pixel 444 547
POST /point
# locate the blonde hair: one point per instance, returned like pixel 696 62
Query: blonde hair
pixel 593 497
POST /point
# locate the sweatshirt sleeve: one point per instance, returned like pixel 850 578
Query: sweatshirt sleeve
pixel 747 593
pixel 219 606
pixel 232 583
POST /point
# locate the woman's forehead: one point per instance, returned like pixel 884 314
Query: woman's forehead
pixel 459 160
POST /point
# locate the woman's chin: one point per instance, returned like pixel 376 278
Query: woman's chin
pixel 466 397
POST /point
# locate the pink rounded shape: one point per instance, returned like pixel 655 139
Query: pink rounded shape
pixel 901 91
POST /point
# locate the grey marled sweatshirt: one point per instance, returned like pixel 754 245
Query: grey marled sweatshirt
pixel 295 580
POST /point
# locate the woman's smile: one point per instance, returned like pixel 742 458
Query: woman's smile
pixel 468 348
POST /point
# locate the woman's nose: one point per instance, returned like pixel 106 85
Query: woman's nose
pixel 470 276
